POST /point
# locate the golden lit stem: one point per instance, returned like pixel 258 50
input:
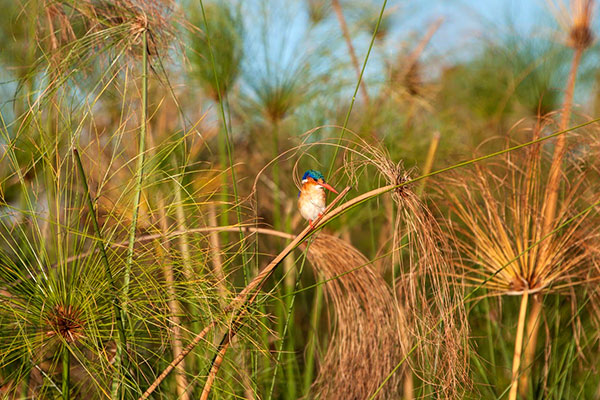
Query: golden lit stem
pixel 561 146
pixel 518 348
pixel 533 325
pixel 162 248
pixel 215 251
pixel 215 368
pixel 408 385
pixel 433 145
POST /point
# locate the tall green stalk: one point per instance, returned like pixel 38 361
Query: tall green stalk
pixel 139 176
pixel 224 160
pixel 360 76
pixel 311 344
pixel 291 384
pixel 121 340
pixel 228 144
pixel 292 281
pixel 284 310
pixel 276 178
pixel 66 366
pixel 117 387
pixel 224 141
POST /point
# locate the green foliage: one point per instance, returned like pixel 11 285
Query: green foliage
pixel 75 81
pixel 521 74
pixel 226 32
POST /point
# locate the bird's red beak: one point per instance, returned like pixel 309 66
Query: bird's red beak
pixel 329 187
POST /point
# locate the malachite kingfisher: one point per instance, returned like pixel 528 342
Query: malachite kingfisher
pixel 311 198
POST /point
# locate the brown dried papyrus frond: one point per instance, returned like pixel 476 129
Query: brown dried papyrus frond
pixel 426 285
pixel 368 338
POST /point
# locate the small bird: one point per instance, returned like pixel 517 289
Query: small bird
pixel 311 198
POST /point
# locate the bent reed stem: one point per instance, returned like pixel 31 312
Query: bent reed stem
pixel 325 219
pixel 248 294
pixel 366 196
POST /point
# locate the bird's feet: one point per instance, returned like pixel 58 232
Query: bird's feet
pixel 311 222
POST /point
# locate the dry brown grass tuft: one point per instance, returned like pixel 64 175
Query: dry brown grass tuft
pixel 366 343
pixel 426 286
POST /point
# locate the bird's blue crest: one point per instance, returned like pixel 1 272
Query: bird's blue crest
pixel 316 175
pixel 311 173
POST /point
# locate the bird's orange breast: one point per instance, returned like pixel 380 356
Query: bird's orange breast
pixel 312 201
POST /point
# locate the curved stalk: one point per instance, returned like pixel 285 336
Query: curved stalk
pixel 245 297
pixel 366 196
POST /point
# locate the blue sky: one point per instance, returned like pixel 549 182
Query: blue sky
pixel 469 20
